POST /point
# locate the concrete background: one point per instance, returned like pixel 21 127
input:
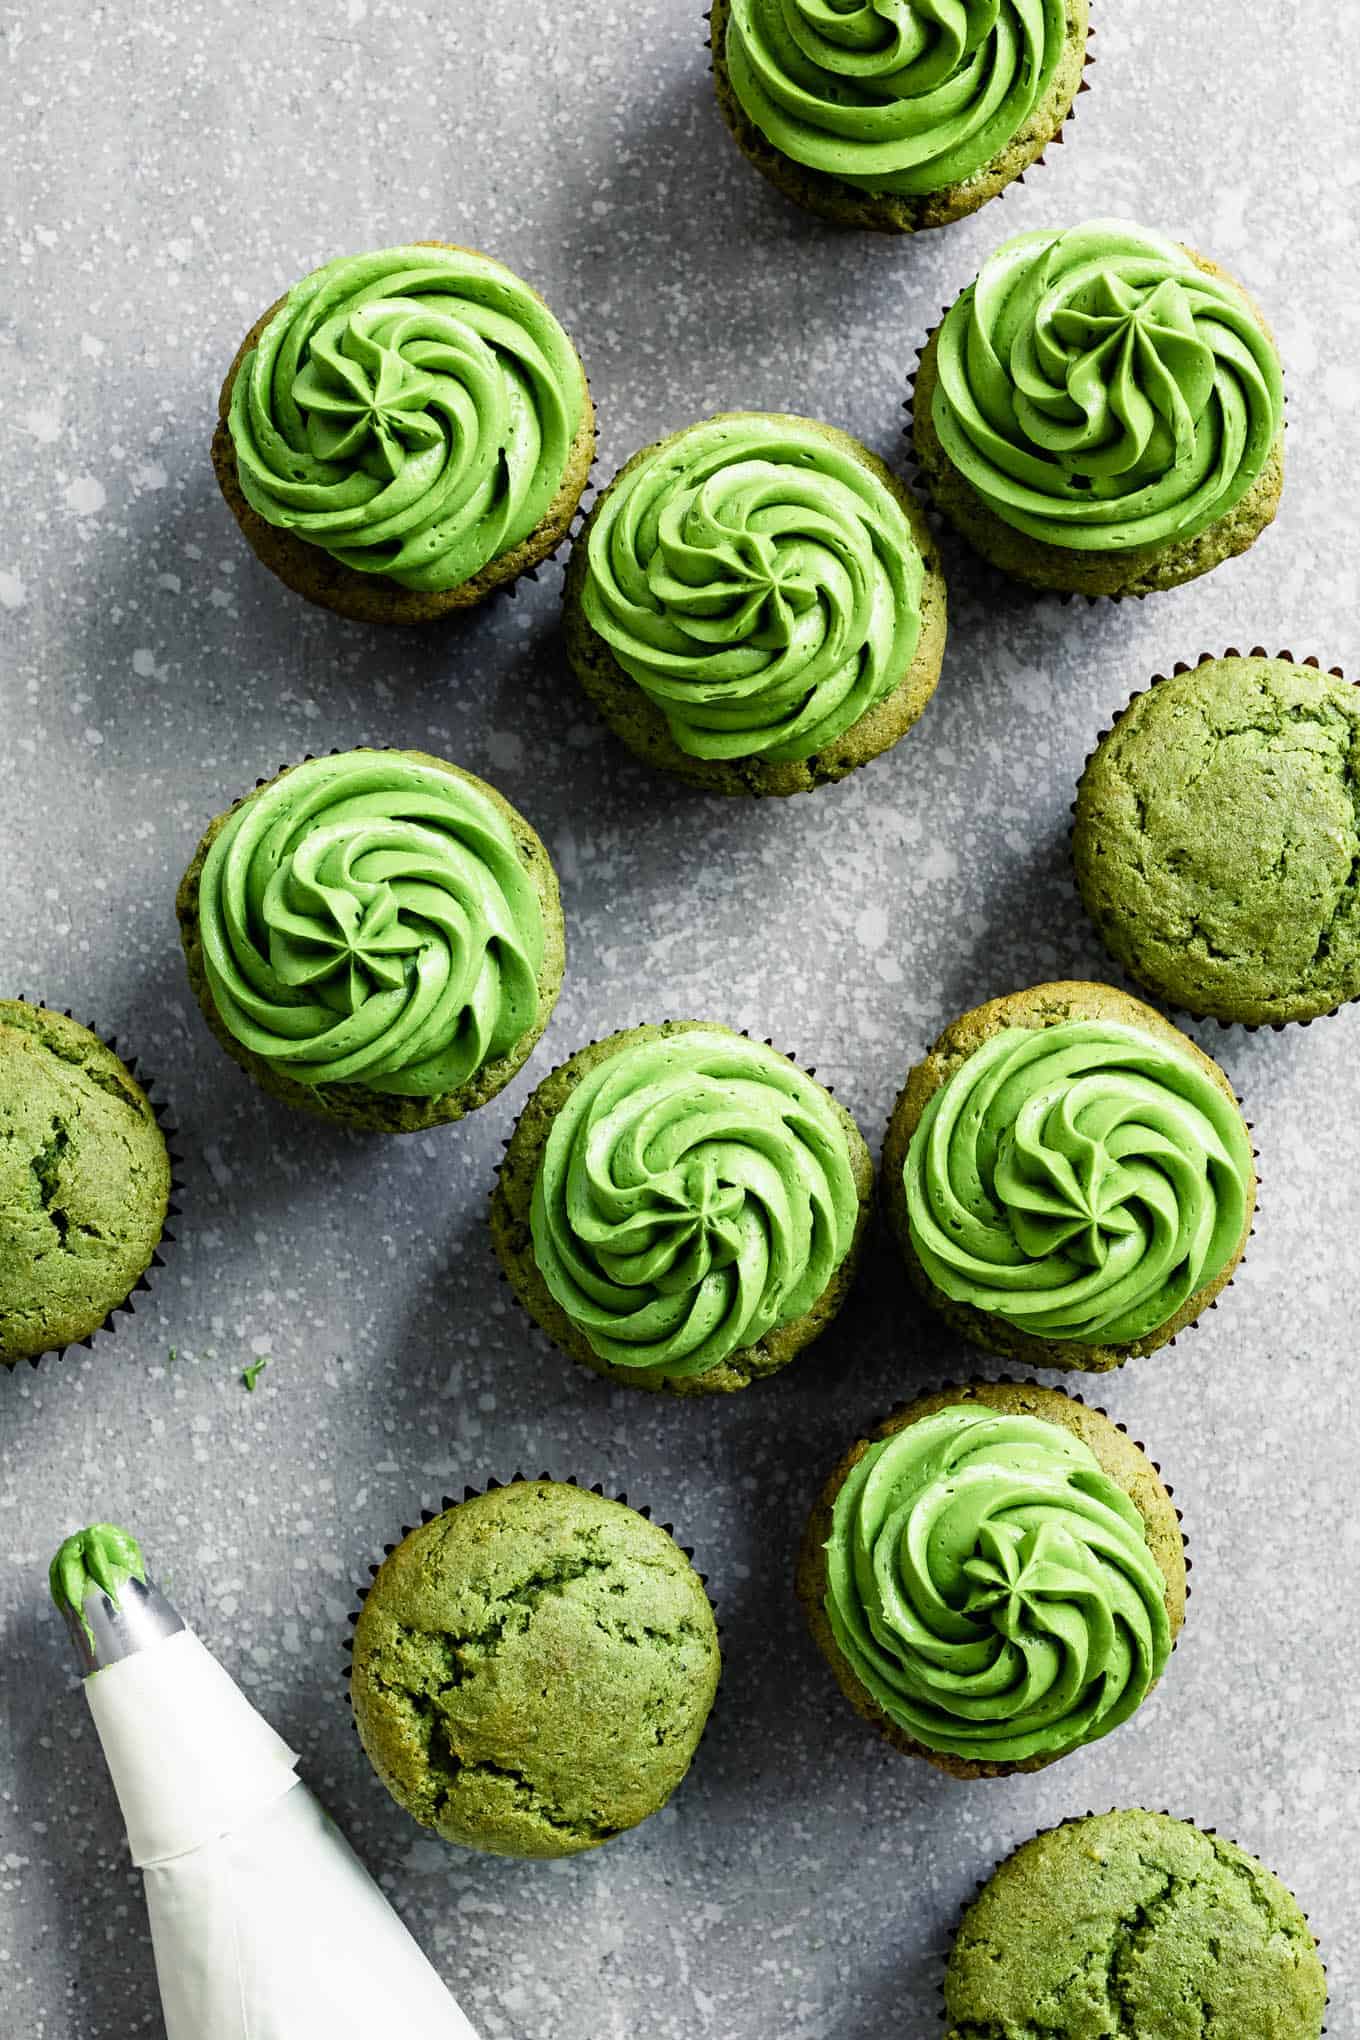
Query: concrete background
pixel 167 173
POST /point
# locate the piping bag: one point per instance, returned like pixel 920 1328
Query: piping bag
pixel 265 1924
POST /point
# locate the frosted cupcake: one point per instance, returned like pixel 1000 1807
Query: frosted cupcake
pixel 896 117
pixel 1102 412
pixel 756 605
pixel 404 432
pixel 375 937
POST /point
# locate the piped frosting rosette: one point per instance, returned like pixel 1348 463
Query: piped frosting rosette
pixel 901 96
pixel 759 583
pixel 411 411
pixel 1081 1181
pixel 1099 390
pixel 992 1588
pixel 366 920
pixel 695 1192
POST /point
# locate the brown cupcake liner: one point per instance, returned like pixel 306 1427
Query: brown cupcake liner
pixel 174 1209
pixel 920 1751
pixel 1072 1820
pixel 1054 141
pixel 1135 985
pixel 1194 1323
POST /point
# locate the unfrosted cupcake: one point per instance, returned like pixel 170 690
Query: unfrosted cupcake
pixel 375 937
pixel 1217 839
pixel 756 605
pixel 681 1208
pixel 1134 1923
pixel 533 1669
pixel 996 1578
pixel 404 432
pixel 896 117
pixel 84 1182
pixel 1070 1178
pixel 1102 412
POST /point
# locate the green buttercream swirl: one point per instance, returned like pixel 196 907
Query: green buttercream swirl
pixel 992 1588
pixel 411 412
pixel 100 1560
pixel 893 96
pixel 695 1193
pixel 759 583
pixel 1099 390
pixel 366 920
pixel 1082 1181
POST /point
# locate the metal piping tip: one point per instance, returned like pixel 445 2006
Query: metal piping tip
pixel 104 1630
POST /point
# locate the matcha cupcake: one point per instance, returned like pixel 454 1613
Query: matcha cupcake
pixel 1070 1178
pixel 1134 1923
pixel 85 1183
pixel 1102 412
pixel 375 937
pixel 404 432
pixel 756 605
pixel 1217 839
pixel 681 1208
pixel 996 1579
pixel 533 1669
pixel 896 118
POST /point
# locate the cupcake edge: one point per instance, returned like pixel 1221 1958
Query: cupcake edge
pixel 639 724
pixel 512 1197
pixel 1124 1459
pixel 1066 571
pixel 846 205
pixel 145 1084
pixel 352 1106
pixel 312 572
pixel 428 1514
pixel 1277 1023
pixel 1065 1000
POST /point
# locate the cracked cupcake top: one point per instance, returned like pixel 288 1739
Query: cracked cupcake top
pixel 1134 1923
pixel 533 1670
pixel 412 412
pixel 84 1182
pixel 1217 840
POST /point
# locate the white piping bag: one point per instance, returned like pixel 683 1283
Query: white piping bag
pixel 265 1924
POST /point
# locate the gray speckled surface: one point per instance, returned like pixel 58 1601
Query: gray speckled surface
pixel 167 172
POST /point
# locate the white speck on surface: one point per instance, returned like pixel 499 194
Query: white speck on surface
pixel 85 496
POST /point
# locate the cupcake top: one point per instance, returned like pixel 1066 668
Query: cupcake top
pixel 367 919
pixel 84 1182
pixel 899 96
pixel 759 581
pixel 1081 1181
pixel 992 1588
pixel 1132 1922
pixel 411 411
pixel 1217 838
pixel 1101 389
pixel 533 1670
pixel 695 1192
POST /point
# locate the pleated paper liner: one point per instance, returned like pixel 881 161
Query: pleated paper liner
pixel 1153 993
pixel 1073 1820
pixel 109 1326
pixel 1053 142
pixel 1195 1322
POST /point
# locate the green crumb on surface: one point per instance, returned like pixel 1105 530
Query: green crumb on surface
pixel 533 1670
pixel 1134 1924
pixel 250 1375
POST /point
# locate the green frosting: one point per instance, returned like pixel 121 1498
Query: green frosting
pixel 758 582
pixel 992 1588
pixel 1100 391
pixel 366 920
pixel 1081 1181
pixel 695 1192
pixel 100 1560
pixel 411 412
pixel 902 96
